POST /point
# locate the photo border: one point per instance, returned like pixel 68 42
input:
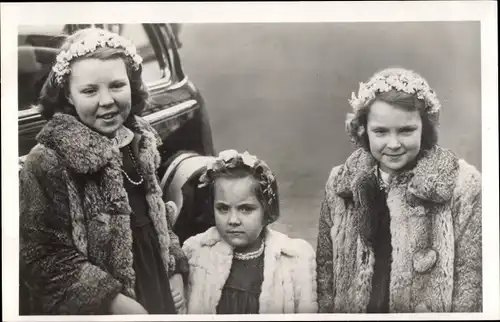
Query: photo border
pixel 14 14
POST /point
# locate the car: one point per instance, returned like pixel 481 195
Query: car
pixel 177 110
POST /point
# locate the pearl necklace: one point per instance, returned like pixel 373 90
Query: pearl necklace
pixel 382 183
pixel 250 255
pixel 135 167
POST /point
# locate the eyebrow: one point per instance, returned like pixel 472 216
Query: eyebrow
pixel 410 125
pixel 244 203
pixel 122 79
pixel 116 80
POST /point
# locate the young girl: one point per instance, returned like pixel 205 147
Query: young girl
pixel 242 266
pixel 400 225
pixel 94 234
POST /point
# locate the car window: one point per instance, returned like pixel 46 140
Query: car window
pixel 37 49
pixel 150 68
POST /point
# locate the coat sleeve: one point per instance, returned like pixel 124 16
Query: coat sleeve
pixel 305 275
pixel 178 257
pixel 467 291
pixel 324 256
pixel 61 279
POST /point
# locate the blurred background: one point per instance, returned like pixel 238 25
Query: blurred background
pixel 280 91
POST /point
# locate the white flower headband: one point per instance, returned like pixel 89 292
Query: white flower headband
pixel 230 159
pixel 396 79
pixel 95 39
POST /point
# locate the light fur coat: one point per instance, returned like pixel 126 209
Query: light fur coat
pixel 289 284
pixel 435 226
pixel 76 239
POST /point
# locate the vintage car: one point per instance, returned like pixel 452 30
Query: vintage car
pixel 177 109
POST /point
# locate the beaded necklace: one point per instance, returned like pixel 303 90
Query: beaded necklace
pixel 123 137
pixel 135 183
pixel 250 255
pixel 382 179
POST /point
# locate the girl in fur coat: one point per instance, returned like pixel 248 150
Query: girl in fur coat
pixel 240 265
pixel 400 225
pixel 94 235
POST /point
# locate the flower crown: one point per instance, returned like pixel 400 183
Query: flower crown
pixel 96 38
pixel 230 159
pixel 396 79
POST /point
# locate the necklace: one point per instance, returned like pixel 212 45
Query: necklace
pixel 381 180
pixel 135 167
pixel 250 255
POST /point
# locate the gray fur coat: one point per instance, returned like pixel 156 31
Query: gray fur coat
pixel 75 234
pixel 435 226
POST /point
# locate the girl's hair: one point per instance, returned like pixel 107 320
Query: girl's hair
pixel 400 87
pixel 231 164
pixel 54 95
pixel 357 121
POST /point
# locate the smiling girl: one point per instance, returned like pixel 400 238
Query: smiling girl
pixel 94 235
pixel 241 265
pixel 400 225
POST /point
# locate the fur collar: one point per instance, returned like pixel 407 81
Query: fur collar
pixel 276 242
pixel 433 177
pixel 81 148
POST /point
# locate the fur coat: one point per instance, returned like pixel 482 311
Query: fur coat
pixel 435 226
pixel 75 234
pixel 289 284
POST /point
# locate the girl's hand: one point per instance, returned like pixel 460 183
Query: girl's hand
pixel 122 304
pixel 179 302
pixel 177 287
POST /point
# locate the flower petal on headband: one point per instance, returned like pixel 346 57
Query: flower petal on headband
pixel 217 165
pixel 227 155
pixel 248 159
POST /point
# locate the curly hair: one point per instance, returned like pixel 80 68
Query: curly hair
pixel 240 171
pixel 356 122
pixel 54 96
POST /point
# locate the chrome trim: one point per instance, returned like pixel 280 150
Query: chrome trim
pixel 179 84
pixel 28 113
pixel 160 84
pixel 171 112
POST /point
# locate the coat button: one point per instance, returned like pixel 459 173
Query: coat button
pixel 424 260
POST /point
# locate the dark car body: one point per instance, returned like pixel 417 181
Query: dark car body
pixel 177 110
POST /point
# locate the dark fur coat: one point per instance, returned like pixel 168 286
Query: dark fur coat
pixel 435 227
pixel 75 234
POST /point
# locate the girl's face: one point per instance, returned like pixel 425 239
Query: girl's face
pixel 100 92
pixel 239 215
pixel 394 135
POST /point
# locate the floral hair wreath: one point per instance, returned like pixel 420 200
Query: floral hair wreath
pixel 230 159
pixel 95 39
pixel 396 79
